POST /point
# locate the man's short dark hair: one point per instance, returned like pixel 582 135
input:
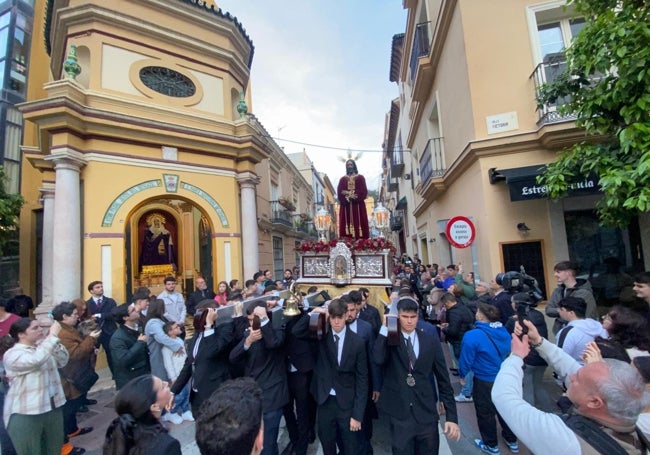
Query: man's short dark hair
pixel 143 290
pixel 491 312
pixel 407 305
pixel 168 279
pixel 256 275
pixel 63 309
pixel 447 297
pixel 249 283
pixel 233 283
pixel 566 265
pixel 120 312
pixel 93 284
pixel 355 296
pixel 235 296
pixel 575 304
pixel 643 278
pixel 346 298
pixel 312 289
pixel 168 326
pixel 229 421
pixel 337 308
pixel 270 288
pixel 140 295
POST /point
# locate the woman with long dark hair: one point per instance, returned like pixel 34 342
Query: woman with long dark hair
pixel 137 429
pixel 628 328
pixel 157 338
pixel 207 355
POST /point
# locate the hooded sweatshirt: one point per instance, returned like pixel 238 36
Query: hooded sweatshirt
pixel 583 290
pixel 481 355
pixel 582 332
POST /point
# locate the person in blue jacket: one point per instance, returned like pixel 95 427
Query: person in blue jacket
pixel 482 351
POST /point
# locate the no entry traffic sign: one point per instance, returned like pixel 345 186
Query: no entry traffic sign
pixel 460 231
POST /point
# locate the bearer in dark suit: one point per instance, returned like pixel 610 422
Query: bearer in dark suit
pixel 340 383
pixel 206 365
pixel 364 330
pixel 102 306
pixel 262 349
pixel 407 395
pixel 367 312
pixel 300 369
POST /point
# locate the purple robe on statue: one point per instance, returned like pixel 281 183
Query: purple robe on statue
pixel 353 218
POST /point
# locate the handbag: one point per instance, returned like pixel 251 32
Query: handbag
pixel 81 379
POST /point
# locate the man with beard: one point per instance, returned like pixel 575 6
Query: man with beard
pixel 352 192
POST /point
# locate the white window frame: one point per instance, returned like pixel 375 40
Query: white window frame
pixel 531 14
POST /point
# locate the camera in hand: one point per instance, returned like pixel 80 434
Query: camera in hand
pixel 525 293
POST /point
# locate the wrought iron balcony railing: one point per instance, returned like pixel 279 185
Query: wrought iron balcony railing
pixel 550 69
pixel 432 162
pixel 280 215
pixel 421 46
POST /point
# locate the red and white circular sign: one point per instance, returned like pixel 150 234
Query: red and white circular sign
pixel 460 232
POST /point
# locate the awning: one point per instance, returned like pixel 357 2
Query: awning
pixel 523 186
pixel 401 204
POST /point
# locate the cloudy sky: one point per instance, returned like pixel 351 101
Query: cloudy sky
pixel 320 75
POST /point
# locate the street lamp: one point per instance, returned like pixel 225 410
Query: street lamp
pixel 381 216
pixel 322 223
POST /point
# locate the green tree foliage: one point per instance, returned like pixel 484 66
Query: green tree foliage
pixel 10 205
pixel 607 86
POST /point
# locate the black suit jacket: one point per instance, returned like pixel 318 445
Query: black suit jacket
pixel 210 366
pixel 419 402
pixel 371 315
pixel 299 352
pixel 364 330
pixel 349 379
pixel 265 363
pixel 195 298
pixel 107 322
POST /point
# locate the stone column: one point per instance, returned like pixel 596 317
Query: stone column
pixel 66 255
pixel 47 266
pixel 249 235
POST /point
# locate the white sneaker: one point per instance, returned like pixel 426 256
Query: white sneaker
pixel 460 398
pixel 187 415
pixel 173 418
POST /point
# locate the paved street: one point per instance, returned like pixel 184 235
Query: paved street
pixel 101 414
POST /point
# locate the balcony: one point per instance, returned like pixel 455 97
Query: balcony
pixel 421 47
pixel 396 163
pixel 391 182
pixel 396 222
pixel 550 69
pixel 280 215
pixel 432 162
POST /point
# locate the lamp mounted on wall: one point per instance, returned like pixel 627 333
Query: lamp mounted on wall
pixel 521 227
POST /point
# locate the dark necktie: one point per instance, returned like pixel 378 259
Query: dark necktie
pixel 336 347
pixel 410 351
pixel 99 303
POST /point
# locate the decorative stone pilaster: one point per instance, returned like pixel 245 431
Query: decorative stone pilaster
pixel 47 264
pixel 66 237
pixel 250 250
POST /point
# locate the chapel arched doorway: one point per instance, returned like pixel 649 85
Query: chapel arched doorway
pixel 168 236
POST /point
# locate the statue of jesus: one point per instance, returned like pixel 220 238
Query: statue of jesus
pixel 352 192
